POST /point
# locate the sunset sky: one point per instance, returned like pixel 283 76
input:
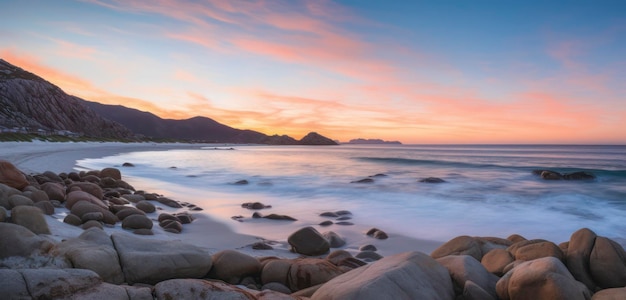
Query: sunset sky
pixel 414 71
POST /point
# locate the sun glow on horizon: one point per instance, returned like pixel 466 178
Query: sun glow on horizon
pixel 420 73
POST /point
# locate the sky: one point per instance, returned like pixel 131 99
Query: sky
pixel 415 71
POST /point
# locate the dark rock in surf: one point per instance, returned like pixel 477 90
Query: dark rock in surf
pixel 432 180
pixel 308 241
pixel 378 175
pixel 343 212
pixel 345 223
pixel 241 182
pixel 127 164
pixel 364 180
pixel 255 205
pixel 329 214
pixel 326 223
pixel 377 233
pixel 579 176
pixel 551 175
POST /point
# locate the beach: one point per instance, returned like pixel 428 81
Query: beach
pixel 206 231
pixel 193 221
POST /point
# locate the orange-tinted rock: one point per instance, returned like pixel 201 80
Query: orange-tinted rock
pixel 11 176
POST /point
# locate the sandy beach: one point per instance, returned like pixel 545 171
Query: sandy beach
pixel 205 231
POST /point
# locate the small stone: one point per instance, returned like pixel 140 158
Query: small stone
pixel 368 247
pixel 137 222
pixel 326 223
pixel 96 216
pixel 46 207
pixel 368 256
pixel 145 206
pixel 165 216
pixel 261 246
pixel 72 220
pixel 432 180
pixel 92 223
pixel 344 223
pixel 143 231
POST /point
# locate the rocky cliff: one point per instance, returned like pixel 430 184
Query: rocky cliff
pixel 29 102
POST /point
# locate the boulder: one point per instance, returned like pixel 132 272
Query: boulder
pixel 610 294
pixel 542 278
pixel 276 270
pixel 111 172
pixel 6 192
pixel 461 245
pixel 169 202
pixel 72 219
pixel 376 233
pixel 92 224
pixel 368 256
pixel 172 226
pixel 432 180
pixel 151 261
pixel 465 268
pixel 46 207
pixel 308 272
pixel 411 275
pixel 88 187
pixel 128 211
pixel 134 198
pixel 607 263
pixel 137 222
pixel 145 206
pixel 533 249
pixel 308 241
pixel 76 196
pixel 58 283
pixel 39 196
pixel 231 266
pixel 19 200
pixel 496 260
pixel 334 240
pixel 578 252
pixel 93 250
pixel 199 289
pixel 84 207
pixel 11 176
pixel 55 191
pixel 3 214
pixel 52 176
pixel 473 291
pixel 31 218
pixel 12 285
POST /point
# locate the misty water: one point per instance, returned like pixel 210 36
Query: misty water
pixel 489 190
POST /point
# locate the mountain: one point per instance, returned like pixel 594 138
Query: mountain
pixel 314 138
pixel 373 142
pixel 30 103
pixel 194 129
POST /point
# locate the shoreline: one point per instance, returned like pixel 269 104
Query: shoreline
pixel 206 231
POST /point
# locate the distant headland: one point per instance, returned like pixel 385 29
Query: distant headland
pixel 373 142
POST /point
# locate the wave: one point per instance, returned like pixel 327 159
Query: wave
pixel 469 165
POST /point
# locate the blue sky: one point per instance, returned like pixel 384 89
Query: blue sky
pixel 415 71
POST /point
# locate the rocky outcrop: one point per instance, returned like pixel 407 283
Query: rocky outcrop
pixel 411 275
pixel 314 138
pixel 27 100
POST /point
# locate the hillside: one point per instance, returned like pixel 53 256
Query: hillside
pixel 30 103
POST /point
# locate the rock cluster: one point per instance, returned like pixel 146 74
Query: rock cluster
pixel 96 265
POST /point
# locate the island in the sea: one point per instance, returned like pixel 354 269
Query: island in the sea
pixel 373 142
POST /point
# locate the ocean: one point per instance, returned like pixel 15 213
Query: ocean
pixel 489 190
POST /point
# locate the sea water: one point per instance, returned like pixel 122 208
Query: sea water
pixel 489 190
